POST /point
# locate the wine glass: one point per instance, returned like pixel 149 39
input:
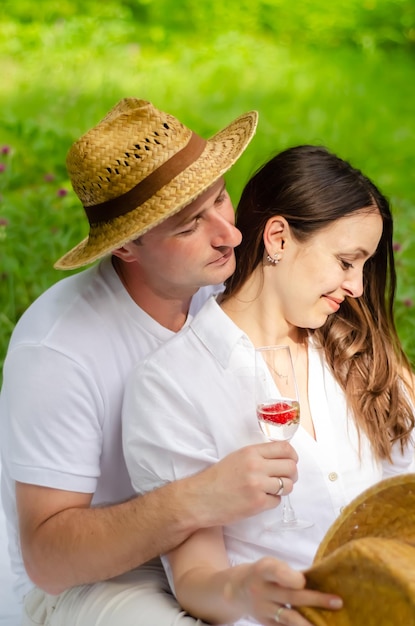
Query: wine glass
pixel 278 409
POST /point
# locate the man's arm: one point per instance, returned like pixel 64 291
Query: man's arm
pixel 65 542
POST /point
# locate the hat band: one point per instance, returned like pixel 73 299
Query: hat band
pixel 146 188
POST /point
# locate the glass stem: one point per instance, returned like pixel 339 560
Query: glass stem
pixel 288 513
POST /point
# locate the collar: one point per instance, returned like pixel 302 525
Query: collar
pixel 218 333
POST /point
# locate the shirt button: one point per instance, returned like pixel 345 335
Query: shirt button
pixel 333 476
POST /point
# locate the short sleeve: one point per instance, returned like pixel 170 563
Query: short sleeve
pixel 51 408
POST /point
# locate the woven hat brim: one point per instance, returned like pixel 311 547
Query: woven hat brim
pixel 374 576
pixel 386 509
pixel 221 152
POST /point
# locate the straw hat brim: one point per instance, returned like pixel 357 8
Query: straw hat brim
pixel 374 576
pixel 367 557
pixel 387 509
pixel 220 153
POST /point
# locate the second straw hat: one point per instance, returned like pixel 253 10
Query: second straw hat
pixel 139 166
pixel 368 558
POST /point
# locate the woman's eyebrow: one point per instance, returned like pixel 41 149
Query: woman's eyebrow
pixel 360 253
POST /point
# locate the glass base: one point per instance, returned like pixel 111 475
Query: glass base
pixel 294 524
pixel 289 520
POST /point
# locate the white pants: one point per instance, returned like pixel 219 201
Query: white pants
pixel 138 598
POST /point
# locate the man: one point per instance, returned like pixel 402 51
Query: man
pixel 159 213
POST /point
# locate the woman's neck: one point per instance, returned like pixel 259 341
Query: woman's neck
pixel 257 312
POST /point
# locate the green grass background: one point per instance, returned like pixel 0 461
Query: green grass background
pixel 340 74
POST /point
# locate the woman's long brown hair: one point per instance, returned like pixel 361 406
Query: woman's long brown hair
pixel 311 188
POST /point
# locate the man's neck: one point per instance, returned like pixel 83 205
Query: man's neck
pixel 169 310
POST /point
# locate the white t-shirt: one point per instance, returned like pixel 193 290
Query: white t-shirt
pixel 64 377
pixel 192 402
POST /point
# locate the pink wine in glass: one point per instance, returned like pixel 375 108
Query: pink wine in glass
pixel 279 419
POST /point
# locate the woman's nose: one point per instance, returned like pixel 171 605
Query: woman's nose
pixel 354 285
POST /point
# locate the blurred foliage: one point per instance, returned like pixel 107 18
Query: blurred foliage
pixel 339 74
pixel 370 23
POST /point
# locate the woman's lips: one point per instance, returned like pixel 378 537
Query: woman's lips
pixel 334 303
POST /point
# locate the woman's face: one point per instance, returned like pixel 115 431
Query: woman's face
pixel 316 276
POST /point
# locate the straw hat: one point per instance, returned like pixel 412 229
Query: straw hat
pixel 368 558
pixel 139 166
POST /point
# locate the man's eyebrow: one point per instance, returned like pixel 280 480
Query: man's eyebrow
pixel 191 216
pixel 185 219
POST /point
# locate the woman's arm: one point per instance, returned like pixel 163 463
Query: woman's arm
pixel 208 588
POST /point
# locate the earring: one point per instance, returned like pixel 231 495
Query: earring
pixel 275 260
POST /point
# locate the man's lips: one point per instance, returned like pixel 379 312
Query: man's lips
pixel 223 258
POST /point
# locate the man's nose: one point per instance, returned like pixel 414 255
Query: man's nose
pixel 225 233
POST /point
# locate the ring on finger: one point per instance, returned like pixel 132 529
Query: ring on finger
pixel 278 614
pixel 281 486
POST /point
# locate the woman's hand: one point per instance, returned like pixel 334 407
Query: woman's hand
pixel 242 484
pixel 269 590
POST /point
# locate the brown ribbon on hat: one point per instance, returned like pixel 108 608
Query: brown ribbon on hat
pixel 147 187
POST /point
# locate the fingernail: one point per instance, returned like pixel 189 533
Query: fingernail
pixel 336 603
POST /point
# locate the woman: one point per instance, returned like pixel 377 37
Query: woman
pixel 315 271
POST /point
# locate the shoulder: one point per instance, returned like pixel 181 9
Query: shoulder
pixel 203 294
pixel 73 322
pixel 53 304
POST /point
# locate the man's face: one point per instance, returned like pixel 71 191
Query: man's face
pixel 191 249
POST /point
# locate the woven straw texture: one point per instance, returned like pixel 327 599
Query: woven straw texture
pixel 368 558
pixel 133 142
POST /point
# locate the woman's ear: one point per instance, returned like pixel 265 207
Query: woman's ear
pixel 275 233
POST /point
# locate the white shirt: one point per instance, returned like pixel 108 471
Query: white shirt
pixel 192 402
pixel 64 377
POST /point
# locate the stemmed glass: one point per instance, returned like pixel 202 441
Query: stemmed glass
pixel 278 409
